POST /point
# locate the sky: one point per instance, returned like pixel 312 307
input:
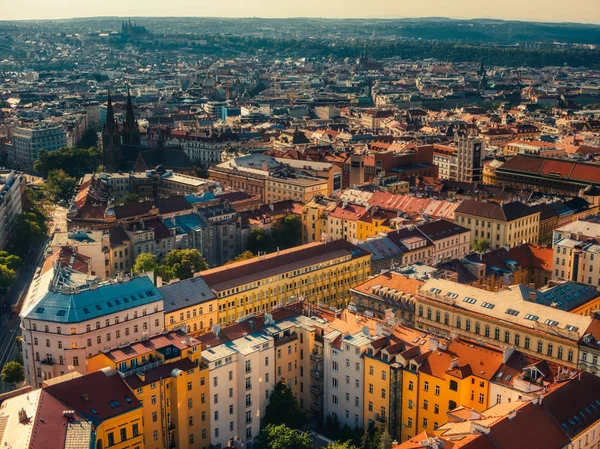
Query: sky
pixel 586 11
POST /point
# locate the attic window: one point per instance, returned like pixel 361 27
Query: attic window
pixel 117 302
pixel 512 312
pixel 110 304
pixel 488 305
pixel 94 411
pixel 86 310
pixel 126 300
pixel 470 300
pixel 128 399
pixel 114 404
pixel 149 293
pixel 571 328
pixel 452 295
pixel 551 322
pixel 437 291
pixel 61 313
pixel 39 310
pixel 98 307
pixel 531 317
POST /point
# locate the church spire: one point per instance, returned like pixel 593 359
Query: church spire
pixel 110 123
pixel 131 132
pixel 129 116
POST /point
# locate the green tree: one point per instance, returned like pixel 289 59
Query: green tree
pixel 481 246
pixel 283 408
pixel 182 264
pixel 144 263
pixel 13 373
pixel 7 278
pixel 288 232
pixel 74 161
pixel 282 437
pixel 259 240
pixel 130 197
pixel 385 441
pixel 340 445
pixel 60 186
pixel 244 256
pixel 30 230
pixel 10 260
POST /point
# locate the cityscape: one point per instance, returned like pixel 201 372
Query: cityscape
pixel 289 231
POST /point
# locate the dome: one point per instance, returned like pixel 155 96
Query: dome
pixel 109 212
pixel 160 169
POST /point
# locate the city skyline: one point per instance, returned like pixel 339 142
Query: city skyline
pixel 583 11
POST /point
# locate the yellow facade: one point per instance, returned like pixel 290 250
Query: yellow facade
pixel 172 385
pixel 197 319
pixel 374 226
pixel 317 281
pixel 128 425
pixel 297 189
pixel 314 219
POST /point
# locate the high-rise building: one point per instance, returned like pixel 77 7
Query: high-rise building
pixel 28 141
pixel 11 194
pixel 470 153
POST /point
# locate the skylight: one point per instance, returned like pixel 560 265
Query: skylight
pixel 532 317
pixel 470 300
pixel 488 305
pixel 551 322
pixel 512 312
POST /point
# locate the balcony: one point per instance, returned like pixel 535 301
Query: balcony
pixel 316 357
pixel 380 417
pixel 317 374
pixel 317 406
pixel 316 389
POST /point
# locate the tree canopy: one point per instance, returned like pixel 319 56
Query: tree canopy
pixel 13 373
pixel 130 197
pixel 74 161
pixel 283 408
pixel 145 262
pixel 30 230
pixel 244 256
pixel 60 186
pixel 481 245
pixel 282 437
pixel 286 234
pixel 177 264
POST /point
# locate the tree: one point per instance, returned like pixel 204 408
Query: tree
pixel 385 441
pixel 10 260
pixel 259 241
pixel 288 232
pixel 74 161
pixel 282 437
pixel 144 263
pixel 244 256
pixel 340 445
pixel 283 408
pixel 60 186
pixel 12 373
pixel 182 264
pixel 130 198
pixel 7 278
pixel 481 245
pixel 30 230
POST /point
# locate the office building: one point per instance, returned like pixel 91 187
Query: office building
pixel 28 142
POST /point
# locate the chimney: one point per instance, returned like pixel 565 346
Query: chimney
pixel 454 364
pixel 23 416
pixel 507 353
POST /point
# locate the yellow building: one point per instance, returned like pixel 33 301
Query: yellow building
pixel 316 272
pixel 165 374
pixel 444 378
pixel 104 399
pixel 508 224
pixel 342 222
pixel 297 189
pixel 189 304
pixel 314 218
pixel 509 317
pixel 373 222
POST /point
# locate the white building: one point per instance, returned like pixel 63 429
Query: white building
pixel 241 376
pixel 28 141
pixel 68 316
pixel 11 189
pixel 343 389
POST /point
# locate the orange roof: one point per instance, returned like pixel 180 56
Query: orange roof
pixel 391 280
pixel 350 212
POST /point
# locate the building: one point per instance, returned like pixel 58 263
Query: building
pixel 450 240
pixel 320 273
pixel 28 142
pixel 12 189
pixel 91 244
pixel 190 304
pixel 575 247
pixel 69 316
pixel 506 318
pixel 294 188
pixel 470 153
pixel 165 374
pixel 314 219
pixel 507 224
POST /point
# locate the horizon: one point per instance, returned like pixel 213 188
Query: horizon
pixel 544 11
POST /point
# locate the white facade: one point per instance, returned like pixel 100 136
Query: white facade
pixel 241 376
pixel 343 384
pixel 28 141
pixel 10 203
pixel 57 334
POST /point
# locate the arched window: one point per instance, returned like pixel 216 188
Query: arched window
pixel 420 310
pixel 486 330
pixel 446 318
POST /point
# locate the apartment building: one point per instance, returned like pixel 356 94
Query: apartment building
pixel 12 189
pixel 190 304
pixel 507 224
pixel 294 188
pixel 575 249
pixel 342 222
pixel 314 219
pixel 104 400
pixel 28 142
pixel 89 243
pixel 462 162
pixel 241 375
pixel 320 273
pixel 450 240
pixel 165 374
pixel 68 317
pixel 510 317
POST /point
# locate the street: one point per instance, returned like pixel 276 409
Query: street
pixel 9 321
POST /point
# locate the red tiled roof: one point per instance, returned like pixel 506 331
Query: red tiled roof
pixel 175 338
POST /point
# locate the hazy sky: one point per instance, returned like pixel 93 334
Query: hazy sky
pixel 540 10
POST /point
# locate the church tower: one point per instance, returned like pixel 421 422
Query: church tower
pixel 111 140
pixel 131 131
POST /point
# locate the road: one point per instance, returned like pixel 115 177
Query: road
pixel 9 322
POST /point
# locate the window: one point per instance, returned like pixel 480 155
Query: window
pixel 190 421
pixel 437 390
pixel 496 334
pixel 191 438
pixel 135 429
pixel 410 385
pixel 426 386
pixel 481 398
pixel 527 342
pixel 123 434
pixel 424 423
pixel 436 409
pixel 540 347
pixel 190 403
pixel 425 404
pixel 451 405
pixel 154 417
pixel 111 439
pixel 453 386
pixel 189 386
pixel 409 423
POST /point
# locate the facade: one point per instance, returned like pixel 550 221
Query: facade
pixel 314 219
pixel 470 152
pixel 505 318
pixel 12 186
pixel 321 273
pixel 297 189
pixel 68 317
pixel 28 142
pixel 509 224
pixel 166 375
pixel 575 253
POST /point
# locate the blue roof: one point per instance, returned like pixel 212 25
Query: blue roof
pixel 88 304
pixel 200 198
pixel 185 223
